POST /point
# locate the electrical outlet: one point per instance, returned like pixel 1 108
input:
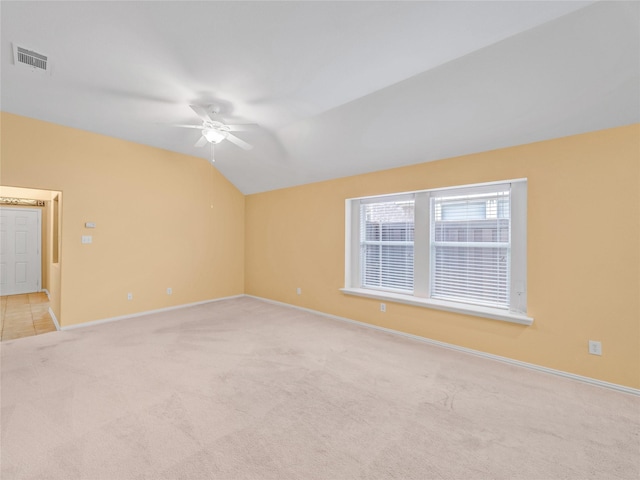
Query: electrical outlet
pixel 169 291
pixel 383 307
pixel 299 291
pixel 595 348
pixel 129 296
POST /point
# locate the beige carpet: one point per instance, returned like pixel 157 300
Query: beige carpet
pixel 244 389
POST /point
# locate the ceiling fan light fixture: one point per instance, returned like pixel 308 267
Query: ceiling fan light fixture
pixel 213 135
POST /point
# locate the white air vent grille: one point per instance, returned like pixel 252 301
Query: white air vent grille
pixel 30 59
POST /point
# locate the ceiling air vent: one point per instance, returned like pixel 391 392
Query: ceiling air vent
pixel 32 60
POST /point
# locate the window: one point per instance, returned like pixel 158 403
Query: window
pixel 471 246
pixel 386 244
pixel 461 249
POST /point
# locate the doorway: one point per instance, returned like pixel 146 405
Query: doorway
pixel 49 203
pixel 20 250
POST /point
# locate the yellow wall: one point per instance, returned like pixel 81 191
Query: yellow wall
pixel 583 252
pixel 163 219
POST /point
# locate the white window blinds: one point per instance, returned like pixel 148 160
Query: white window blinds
pixel 471 245
pixel 386 243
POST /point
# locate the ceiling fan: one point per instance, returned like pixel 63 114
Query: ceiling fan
pixel 214 130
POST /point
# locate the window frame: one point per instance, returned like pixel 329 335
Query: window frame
pixel 517 310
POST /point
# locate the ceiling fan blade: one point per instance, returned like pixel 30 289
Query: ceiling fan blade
pixel 201 142
pixel 189 126
pixel 242 127
pixel 201 112
pixel 239 142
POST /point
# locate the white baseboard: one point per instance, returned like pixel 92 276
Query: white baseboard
pixel 55 319
pixel 47 293
pixel 511 361
pixel 142 314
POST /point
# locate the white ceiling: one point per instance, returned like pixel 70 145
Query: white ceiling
pixel 338 88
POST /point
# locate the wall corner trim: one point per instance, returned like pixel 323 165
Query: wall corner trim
pixel 510 361
pixel 54 318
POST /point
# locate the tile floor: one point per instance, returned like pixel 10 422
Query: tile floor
pixel 25 315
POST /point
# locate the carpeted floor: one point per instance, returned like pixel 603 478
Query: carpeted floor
pixel 244 389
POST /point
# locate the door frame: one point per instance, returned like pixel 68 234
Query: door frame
pixel 38 243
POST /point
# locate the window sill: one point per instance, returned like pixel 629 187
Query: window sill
pixel 475 310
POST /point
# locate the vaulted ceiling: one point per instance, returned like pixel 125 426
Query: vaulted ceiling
pixel 337 88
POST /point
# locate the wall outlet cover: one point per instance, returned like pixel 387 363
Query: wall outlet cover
pixel 595 347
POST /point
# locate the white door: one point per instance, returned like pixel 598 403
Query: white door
pixel 20 260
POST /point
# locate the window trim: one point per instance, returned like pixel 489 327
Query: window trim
pixel 516 313
pixel 469 309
